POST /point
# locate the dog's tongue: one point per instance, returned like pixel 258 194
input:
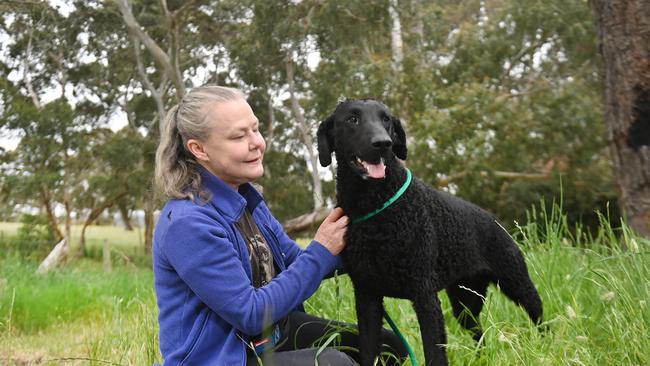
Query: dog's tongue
pixel 375 170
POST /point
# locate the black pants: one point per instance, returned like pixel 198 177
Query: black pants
pixel 302 335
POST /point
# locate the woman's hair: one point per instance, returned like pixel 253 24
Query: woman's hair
pixel 176 174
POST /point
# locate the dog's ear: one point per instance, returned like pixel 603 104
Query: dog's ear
pixel 325 141
pixel 399 139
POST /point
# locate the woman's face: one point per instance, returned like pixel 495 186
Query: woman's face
pixel 234 149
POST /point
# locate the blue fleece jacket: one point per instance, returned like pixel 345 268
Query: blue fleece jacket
pixel 208 307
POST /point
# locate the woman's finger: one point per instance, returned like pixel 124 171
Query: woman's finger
pixel 343 221
pixel 335 214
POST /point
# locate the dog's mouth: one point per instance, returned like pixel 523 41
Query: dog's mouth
pixel 367 169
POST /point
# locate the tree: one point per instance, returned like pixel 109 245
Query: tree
pixel 500 97
pixel 171 41
pixel 624 39
pixel 505 110
pixel 111 173
pixel 44 51
pixel 284 68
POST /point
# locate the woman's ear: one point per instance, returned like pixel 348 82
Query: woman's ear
pixel 399 139
pixel 195 147
pixel 325 141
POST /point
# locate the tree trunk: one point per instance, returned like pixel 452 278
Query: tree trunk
pixel 67 204
pixel 94 214
pixel 81 250
pixel 396 44
pixel 271 125
pixel 307 138
pixel 169 62
pixel 68 228
pixel 54 258
pixel 124 214
pixel 156 93
pixel 49 212
pixel 624 41
pixel 148 222
pixel 307 221
pixel 269 131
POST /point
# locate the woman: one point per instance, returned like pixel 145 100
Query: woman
pixel 229 282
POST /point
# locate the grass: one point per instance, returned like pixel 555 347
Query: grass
pixel 595 289
pixel 94 233
pixel 130 242
pixel 595 306
pixel 76 312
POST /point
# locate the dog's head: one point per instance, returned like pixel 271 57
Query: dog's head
pixel 362 133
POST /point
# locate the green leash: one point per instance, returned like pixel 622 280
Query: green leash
pixel 393 326
pixel 390 321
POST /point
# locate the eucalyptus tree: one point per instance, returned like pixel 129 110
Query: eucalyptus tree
pixel 172 43
pixel 499 97
pixel 38 98
pixel 76 58
pixel 270 50
pixel 111 171
pixel 513 107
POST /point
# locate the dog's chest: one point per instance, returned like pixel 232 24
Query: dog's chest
pixel 382 260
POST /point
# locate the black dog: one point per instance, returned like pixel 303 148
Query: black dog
pixel 423 242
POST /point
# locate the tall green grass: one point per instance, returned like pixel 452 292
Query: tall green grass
pixel 77 314
pixel 594 285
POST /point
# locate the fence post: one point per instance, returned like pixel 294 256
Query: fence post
pixel 106 254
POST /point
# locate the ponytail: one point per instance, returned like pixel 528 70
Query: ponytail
pixel 176 174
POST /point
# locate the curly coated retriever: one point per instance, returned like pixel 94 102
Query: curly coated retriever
pixel 421 243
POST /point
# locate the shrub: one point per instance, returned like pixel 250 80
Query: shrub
pixel 33 241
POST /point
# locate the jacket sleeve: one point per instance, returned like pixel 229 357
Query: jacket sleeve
pixel 209 264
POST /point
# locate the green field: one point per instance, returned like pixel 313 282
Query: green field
pixel 121 239
pixel 595 296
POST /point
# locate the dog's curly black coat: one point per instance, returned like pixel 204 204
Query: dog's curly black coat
pixel 424 242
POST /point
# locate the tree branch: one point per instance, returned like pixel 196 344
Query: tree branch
pixel 26 75
pixel 95 212
pixel 156 93
pixel 306 134
pixel 444 181
pixel 158 53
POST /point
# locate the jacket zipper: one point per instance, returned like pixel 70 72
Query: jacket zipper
pixel 196 340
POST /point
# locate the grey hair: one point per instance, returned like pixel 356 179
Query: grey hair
pixel 176 174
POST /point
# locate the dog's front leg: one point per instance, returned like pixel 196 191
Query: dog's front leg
pixel 370 309
pixel 432 328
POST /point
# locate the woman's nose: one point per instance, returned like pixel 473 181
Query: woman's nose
pixel 258 141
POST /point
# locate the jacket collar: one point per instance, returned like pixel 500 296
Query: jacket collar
pixel 225 199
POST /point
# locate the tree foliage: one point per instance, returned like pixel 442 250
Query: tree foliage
pixel 501 99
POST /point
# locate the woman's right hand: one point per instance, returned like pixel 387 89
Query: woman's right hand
pixel 331 232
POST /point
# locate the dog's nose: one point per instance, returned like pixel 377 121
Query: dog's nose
pixel 381 143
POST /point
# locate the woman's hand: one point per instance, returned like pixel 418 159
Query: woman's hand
pixel 331 232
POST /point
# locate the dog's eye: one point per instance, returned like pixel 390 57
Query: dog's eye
pixel 386 118
pixel 352 119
